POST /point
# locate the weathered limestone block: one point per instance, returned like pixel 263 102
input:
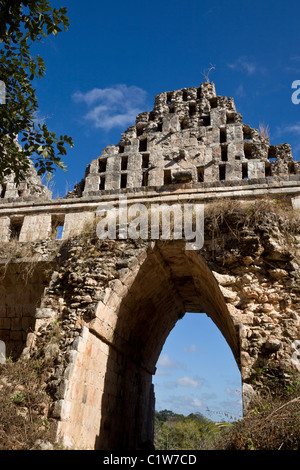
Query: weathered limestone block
pixel 94 167
pixel 11 190
pixel 296 203
pixel 234 171
pixel 45 313
pixel 235 153
pixel 36 227
pixel 218 117
pixel 4 229
pixel 224 279
pixel 171 124
pixel 256 169
pixel 92 182
pixel 78 222
pixel 228 294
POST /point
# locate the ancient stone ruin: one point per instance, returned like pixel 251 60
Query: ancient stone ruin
pixel 113 302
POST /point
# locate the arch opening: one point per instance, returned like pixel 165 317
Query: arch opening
pixel 169 282
pixel 197 373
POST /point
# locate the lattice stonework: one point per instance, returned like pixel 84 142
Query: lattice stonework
pixel 190 136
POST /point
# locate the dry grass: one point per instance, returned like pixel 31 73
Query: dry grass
pixel 274 423
pixel 24 405
pixel 271 426
pixel 13 251
pixel 264 130
pixel 236 216
pixel 26 253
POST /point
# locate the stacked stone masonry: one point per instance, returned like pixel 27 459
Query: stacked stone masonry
pixel 29 189
pixel 191 136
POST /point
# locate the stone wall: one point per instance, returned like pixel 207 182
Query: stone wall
pixel 115 303
pixel 25 271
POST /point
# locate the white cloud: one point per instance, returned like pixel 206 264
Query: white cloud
pixel 195 402
pixel 247 65
pixel 182 404
pixel 282 131
pixel 208 396
pixel 162 373
pixel 244 64
pixel 115 106
pixel 294 67
pixel 188 382
pixel 165 362
pixel 190 349
pixel 294 128
pixel 240 92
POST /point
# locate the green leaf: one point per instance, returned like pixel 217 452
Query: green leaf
pixel 19 67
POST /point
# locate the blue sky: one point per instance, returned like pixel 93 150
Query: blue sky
pixel 196 371
pixel 108 67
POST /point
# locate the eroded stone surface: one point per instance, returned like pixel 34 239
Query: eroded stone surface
pixel 29 189
pixel 114 319
pixel 191 136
